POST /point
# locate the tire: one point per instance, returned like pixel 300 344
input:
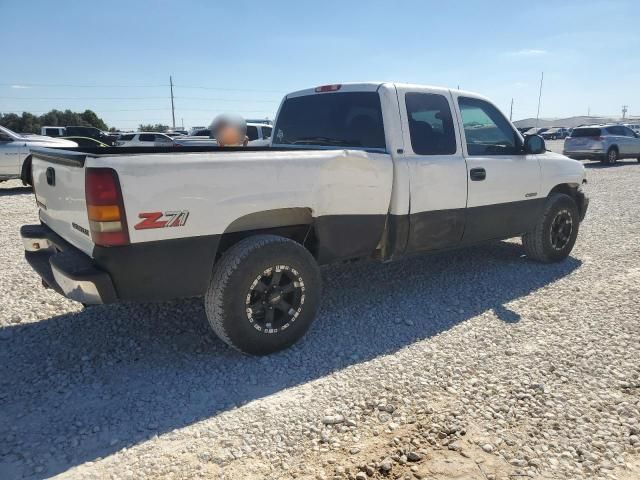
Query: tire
pixel 26 173
pixel 541 244
pixel 612 156
pixel 244 276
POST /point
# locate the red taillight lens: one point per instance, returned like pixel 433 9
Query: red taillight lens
pixel 328 88
pixel 107 219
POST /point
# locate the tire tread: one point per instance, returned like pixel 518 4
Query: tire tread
pixel 533 241
pixel 222 271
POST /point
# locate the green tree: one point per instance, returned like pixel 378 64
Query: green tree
pixel 158 127
pixel 90 118
pixel 30 123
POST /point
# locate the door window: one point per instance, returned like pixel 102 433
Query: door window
pixel 147 137
pixel 252 132
pixel 430 124
pixel 266 132
pixel 486 130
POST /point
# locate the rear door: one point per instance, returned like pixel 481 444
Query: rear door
pixel 504 195
pixel 437 169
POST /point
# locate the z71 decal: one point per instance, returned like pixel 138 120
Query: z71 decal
pixel 162 219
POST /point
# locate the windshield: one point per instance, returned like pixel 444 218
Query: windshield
pixel 6 134
pixel 348 119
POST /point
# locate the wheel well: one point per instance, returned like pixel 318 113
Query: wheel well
pixel 614 147
pixel 25 172
pixel 293 223
pixel 572 191
pixel 566 189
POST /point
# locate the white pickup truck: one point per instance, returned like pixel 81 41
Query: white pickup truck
pixel 355 171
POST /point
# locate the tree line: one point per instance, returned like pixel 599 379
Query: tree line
pixel 30 123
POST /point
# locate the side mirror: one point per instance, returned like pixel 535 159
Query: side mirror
pixel 534 144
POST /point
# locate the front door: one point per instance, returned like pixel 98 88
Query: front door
pixel 504 197
pixel 437 170
pixel 11 152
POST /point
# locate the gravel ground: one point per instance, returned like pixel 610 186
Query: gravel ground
pixel 472 364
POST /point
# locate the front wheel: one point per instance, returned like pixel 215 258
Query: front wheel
pixel 555 233
pixel 264 294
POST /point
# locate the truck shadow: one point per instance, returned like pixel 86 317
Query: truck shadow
pixel 618 164
pixel 80 386
pixel 8 191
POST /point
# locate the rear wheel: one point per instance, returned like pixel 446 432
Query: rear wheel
pixel 555 233
pixel 264 294
pixel 612 156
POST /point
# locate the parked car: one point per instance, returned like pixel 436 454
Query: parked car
pixel 259 136
pixel 555 133
pixel 536 131
pixel 174 132
pixel 607 143
pixel 145 139
pixel 355 171
pixel 87 142
pixel 15 153
pixel 193 130
pixel 80 131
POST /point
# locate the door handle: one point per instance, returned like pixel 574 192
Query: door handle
pixel 477 174
pixel 51 176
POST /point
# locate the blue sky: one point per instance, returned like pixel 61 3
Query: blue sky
pixel 116 57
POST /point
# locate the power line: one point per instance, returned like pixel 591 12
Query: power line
pixel 217 99
pixel 200 87
pixel 136 110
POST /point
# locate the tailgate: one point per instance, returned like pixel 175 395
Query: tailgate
pixel 58 183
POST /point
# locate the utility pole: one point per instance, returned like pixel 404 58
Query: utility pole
pixel 625 109
pixel 588 111
pixel 173 112
pixel 182 121
pixel 511 111
pixel 539 99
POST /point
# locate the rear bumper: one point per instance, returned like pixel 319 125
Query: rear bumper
pixel 64 268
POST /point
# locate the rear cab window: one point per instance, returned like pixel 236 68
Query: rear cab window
pixel 342 119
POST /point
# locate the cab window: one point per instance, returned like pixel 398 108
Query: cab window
pixel 486 130
pixel 430 124
pixel 252 132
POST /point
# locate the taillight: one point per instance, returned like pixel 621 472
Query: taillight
pixel 107 219
pixel 328 88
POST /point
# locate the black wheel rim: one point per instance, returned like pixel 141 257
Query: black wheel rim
pixel 561 229
pixel 275 299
